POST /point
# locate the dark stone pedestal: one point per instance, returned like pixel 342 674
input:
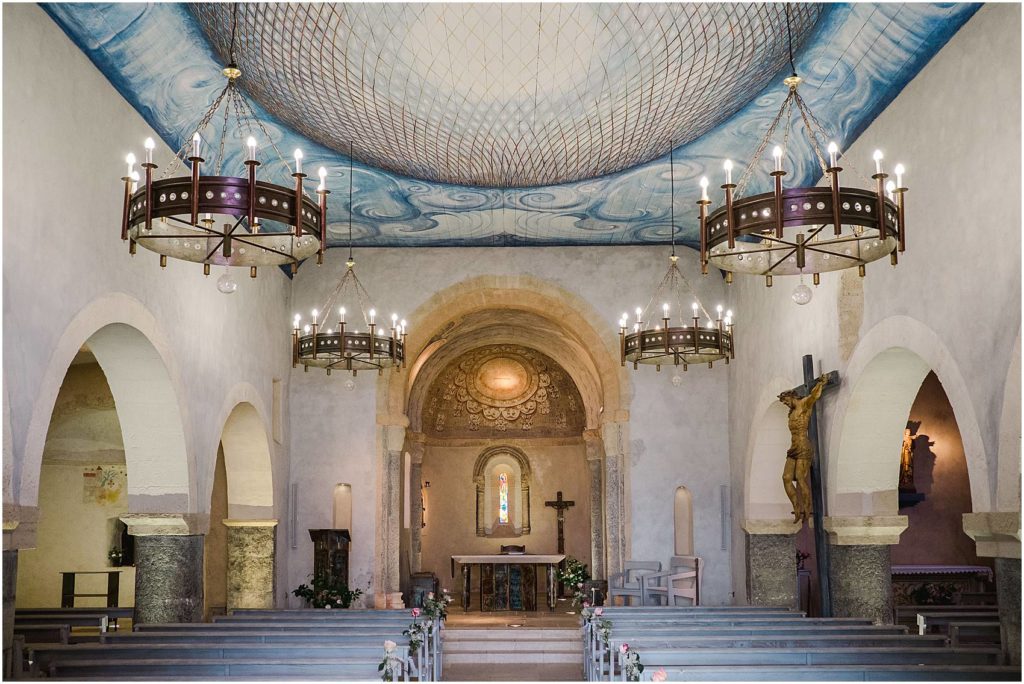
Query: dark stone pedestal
pixel 861 578
pixel 10 584
pixel 169 578
pixel 1008 593
pixel 771 570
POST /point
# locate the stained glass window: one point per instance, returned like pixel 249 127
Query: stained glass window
pixel 502 498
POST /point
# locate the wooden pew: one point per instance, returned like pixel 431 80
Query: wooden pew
pixel 963 634
pixel 113 613
pixel 337 669
pixel 856 673
pixel 44 634
pixel 927 622
pixel 97 620
pixel 907 615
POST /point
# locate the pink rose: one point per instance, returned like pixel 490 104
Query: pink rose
pixel 430 596
pixel 599 611
pixel 415 612
pixel 624 648
pixel 659 675
pixel 586 604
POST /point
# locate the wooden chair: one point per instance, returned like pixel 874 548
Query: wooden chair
pixel 629 583
pixel 683 579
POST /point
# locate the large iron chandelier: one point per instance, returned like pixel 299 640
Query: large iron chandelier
pixel 345 346
pixel 223 219
pixel 699 338
pixel 793 231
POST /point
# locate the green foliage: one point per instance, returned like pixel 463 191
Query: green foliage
pixel 575 575
pixel 326 593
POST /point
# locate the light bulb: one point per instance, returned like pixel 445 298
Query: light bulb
pixel 330 331
pixel 316 313
pixel 341 311
pixel 251 144
pixel 298 161
pixel 727 321
pixel 899 175
pixel 226 284
pixel 135 180
pixel 297 319
pixel 802 294
pixel 877 156
pixel 402 323
pixel 711 324
pixel 350 384
pixel 195 144
pixel 728 171
pixel 664 309
pixel 833 152
pixel 322 172
pixel 695 308
pixel 306 329
pixel 677 380
pixel 149 145
pixel 130 161
pixel 777 153
pixel 703 187
pixel 373 314
pixel 639 312
pixel 394 319
pixel 636 327
pixel 719 309
pixel 729 313
pixel 890 189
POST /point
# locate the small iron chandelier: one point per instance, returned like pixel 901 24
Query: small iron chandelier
pixel 345 347
pixel 784 232
pixel 699 339
pixel 223 219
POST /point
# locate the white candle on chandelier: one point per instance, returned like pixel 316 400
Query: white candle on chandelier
pixel 149 145
pixel 373 314
pixel 306 329
pixel 636 327
pixel 341 312
pixel 130 160
pixel 899 175
pixel 402 325
pixel 728 320
pixel 695 309
pixel 316 313
pixel 135 180
pixel 777 153
pixel 890 189
pixel 195 144
pixel 728 171
pixel 394 321
pixel 877 156
pixel 322 172
pixel 298 160
pixel 833 154
pixel 728 314
pixel 704 188
pixel 719 309
pixel 296 321
pixel 250 143
pixel 639 314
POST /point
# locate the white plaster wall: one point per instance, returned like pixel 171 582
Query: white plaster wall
pixel 956 127
pixel 678 435
pixel 67 130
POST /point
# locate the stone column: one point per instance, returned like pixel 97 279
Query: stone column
pixel 616 454
pixel 860 572
pixel 19 532
pixel 389 513
pixel 252 548
pixel 168 568
pixel 595 463
pixel 771 562
pixel 416 449
pixel 997 535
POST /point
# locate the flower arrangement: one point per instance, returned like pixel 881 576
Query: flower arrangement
pixel 631 661
pixel 327 592
pixel 391 665
pixel 574 575
pixel 417 631
pixel 659 675
pixel 436 607
pixel 601 625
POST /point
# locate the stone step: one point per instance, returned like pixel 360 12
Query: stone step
pixel 517 634
pixel 523 645
pixel 512 657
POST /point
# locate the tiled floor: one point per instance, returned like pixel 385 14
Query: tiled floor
pixel 560 618
pixel 513 673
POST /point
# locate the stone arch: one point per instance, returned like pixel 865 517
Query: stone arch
pixel 522 462
pixel 883 378
pixel 247 459
pixel 134 354
pixel 764 496
pixel 1008 456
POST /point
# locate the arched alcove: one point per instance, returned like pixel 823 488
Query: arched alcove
pixel 341 509
pixel 247 464
pixel 488 467
pixel 682 522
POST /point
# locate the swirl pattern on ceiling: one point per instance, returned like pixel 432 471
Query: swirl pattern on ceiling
pixel 855 61
pixel 505 95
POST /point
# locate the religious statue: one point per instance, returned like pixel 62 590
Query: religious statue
pixel 907 457
pixel 796 477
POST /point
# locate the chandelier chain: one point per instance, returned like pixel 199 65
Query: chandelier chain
pixel 350 174
pixel 672 195
pixel 741 186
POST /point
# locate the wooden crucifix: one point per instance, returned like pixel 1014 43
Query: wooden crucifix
pixel 812 386
pixel 559 505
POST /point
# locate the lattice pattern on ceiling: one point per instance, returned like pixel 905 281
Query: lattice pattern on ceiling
pixel 854 61
pixel 505 95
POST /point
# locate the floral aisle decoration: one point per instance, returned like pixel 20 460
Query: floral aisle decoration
pixel 390 667
pixel 574 575
pixel 631 662
pixel 436 607
pixel 327 592
pixel 417 631
pixel 659 675
pixel 601 625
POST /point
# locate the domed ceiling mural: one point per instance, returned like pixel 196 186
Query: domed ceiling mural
pixel 513 124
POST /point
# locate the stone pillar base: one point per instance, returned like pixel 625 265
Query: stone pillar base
pixel 771 562
pixel 251 554
pixel 168 578
pixel 1008 593
pixel 861 581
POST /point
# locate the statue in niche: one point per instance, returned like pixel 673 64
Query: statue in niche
pixel 915 448
pixel 907 457
pixel 796 478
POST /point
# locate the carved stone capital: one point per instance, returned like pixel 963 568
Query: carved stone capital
pixel 996 535
pixel 770 526
pixel 19 526
pixel 876 530
pixel 164 524
pixel 231 522
pixel 594 444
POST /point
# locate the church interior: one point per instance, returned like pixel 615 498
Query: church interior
pixel 465 341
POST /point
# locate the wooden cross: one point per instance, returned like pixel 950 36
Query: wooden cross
pixel 817 490
pixel 559 505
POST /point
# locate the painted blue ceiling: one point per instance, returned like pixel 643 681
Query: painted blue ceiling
pixel 854 61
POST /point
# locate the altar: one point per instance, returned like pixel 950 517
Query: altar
pixel 508 581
